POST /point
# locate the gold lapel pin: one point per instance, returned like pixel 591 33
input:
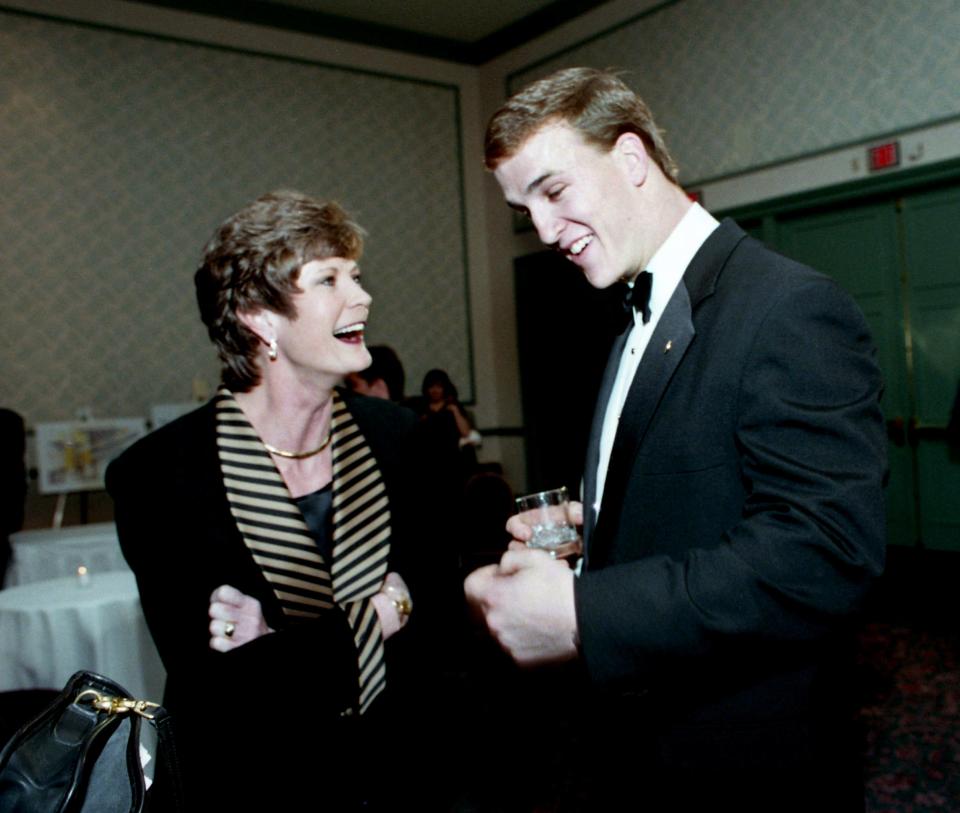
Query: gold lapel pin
pixel 667 346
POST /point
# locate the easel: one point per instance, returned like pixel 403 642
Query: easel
pixel 61 505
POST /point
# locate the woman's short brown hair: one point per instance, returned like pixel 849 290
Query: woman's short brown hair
pixel 597 103
pixel 253 262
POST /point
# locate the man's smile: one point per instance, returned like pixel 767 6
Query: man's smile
pixel 580 245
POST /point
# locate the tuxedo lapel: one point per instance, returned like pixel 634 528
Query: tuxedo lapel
pixel 667 347
pixel 596 429
pixel 665 351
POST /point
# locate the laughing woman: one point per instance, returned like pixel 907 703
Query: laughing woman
pixel 270 530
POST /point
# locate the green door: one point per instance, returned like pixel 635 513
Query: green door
pixel 900 259
pixel 931 238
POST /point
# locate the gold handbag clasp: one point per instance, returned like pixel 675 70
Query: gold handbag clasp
pixel 116 705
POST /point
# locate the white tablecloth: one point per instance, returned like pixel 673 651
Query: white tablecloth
pixel 50 629
pixel 49 553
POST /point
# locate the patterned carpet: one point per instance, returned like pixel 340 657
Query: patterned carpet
pixel 911 718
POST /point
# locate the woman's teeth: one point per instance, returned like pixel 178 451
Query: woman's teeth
pixel 350 333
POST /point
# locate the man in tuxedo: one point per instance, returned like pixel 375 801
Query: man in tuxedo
pixel 384 378
pixel 732 509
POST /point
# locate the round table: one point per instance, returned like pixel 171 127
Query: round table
pixel 51 629
pixel 49 553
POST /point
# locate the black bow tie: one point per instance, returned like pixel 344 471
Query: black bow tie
pixel 638 297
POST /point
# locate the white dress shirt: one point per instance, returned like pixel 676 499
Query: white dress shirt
pixel 667 267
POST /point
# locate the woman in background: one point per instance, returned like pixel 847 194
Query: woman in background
pixel 440 399
pixel 447 428
pixel 271 530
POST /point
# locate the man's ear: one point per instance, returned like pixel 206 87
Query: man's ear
pixel 632 154
pixel 260 323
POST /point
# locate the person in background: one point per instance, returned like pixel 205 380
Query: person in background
pixel 384 378
pixel 733 510
pixel 447 426
pixel 275 531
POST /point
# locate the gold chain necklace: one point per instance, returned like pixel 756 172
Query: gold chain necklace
pixel 299 455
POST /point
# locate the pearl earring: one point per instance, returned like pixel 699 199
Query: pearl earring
pixel 272 350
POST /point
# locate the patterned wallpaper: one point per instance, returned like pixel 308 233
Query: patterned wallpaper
pixel 739 84
pixel 122 152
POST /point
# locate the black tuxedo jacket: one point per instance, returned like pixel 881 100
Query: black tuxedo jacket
pixel 244 714
pixel 742 517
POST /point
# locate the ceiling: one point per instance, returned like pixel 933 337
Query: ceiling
pixel 468 32
pixel 465 22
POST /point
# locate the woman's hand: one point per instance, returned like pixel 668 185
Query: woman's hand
pixel 393 605
pixel 235 619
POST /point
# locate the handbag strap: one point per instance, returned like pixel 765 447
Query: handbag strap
pixel 162 723
pixel 114 699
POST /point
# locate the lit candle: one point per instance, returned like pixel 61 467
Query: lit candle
pixel 83 576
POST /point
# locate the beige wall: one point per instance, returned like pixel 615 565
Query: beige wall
pixel 759 100
pixel 839 81
pixel 409 87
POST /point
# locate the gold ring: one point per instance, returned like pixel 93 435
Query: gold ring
pixel 228 629
pixel 403 605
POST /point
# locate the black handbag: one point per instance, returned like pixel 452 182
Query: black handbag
pixel 82 753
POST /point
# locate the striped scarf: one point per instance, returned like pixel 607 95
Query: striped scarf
pixel 274 531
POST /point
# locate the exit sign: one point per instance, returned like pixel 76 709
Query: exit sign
pixel 884 156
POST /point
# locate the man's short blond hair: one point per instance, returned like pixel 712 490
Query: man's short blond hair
pixel 594 102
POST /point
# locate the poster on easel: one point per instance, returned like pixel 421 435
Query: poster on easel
pixel 73 455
